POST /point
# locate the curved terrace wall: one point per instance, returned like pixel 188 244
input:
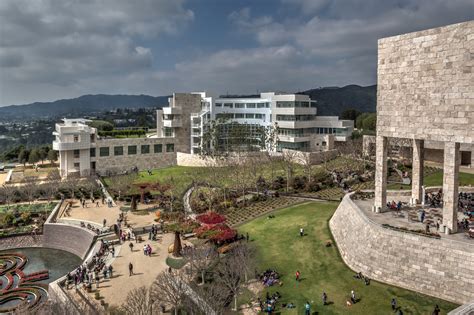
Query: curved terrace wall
pixel 438 267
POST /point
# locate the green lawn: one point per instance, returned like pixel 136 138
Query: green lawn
pixel 436 179
pixel 279 246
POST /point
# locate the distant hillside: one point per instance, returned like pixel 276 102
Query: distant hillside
pixel 80 106
pixel 334 100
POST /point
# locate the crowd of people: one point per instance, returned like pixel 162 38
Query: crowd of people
pixel 270 302
pixel 269 277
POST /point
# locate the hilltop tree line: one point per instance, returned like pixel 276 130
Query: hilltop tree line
pixel 32 155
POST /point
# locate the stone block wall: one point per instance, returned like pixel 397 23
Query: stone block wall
pixel 425 83
pixel 125 162
pixel 442 268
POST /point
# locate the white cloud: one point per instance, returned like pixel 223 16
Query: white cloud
pixel 64 43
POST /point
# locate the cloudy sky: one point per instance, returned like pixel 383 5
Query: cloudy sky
pixel 51 49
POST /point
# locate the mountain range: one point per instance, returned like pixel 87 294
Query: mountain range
pixel 331 101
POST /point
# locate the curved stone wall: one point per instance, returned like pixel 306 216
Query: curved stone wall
pixel 438 267
pixel 68 237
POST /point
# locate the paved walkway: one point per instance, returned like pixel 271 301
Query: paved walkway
pixel 145 269
pixel 98 214
pixel 402 220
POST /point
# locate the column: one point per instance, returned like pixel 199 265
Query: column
pixel 472 159
pixel 159 123
pixel 417 172
pixel 452 160
pixel 380 174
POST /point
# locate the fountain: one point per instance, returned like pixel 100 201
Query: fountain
pixel 25 274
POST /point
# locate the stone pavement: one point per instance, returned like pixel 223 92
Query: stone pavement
pixel 98 214
pixel 145 268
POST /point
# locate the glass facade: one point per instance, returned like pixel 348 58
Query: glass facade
pixel 92 152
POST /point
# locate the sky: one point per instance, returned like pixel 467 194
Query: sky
pixel 53 49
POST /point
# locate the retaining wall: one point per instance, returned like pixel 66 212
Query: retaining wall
pixel 438 267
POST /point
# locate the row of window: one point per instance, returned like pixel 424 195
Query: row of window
pixel 290 104
pixel 241 116
pixel 244 105
pixel 295 117
pixel 131 149
pixel 301 132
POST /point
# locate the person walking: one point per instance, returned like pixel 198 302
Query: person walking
pixel 247 236
pixel 104 222
pixel 436 310
pixel 131 246
pixel 307 308
pixel 301 231
pixel 130 269
pixel 297 275
pixel 104 272
pixel 394 304
pixel 111 271
pixel 325 298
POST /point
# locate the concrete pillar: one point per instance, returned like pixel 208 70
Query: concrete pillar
pixel 159 123
pixel 452 160
pixel 472 159
pixel 380 174
pixel 417 172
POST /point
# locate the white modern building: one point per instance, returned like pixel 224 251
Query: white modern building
pixel 295 115
pixel 181 126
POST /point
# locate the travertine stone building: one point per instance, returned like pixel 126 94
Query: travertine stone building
pixel 426 93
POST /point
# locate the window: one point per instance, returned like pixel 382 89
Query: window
pixel 249 116
pixel 168 132
pixel 118 151
pixel 92 152
pixel 132 149
pixel 76 138
pixel 77 165
pixel 145 148
pixel 92 137
pixel 170 147
pixel 239 115
pixel 76 154
pixel 250 105
pixel 229 105
pixel 239 105
pixel 158 148
pixel 285 104
pixel 267 105
pixel 261 105
pixel 259 116
pixel 218 104
pixel 313 103
pixel 104 151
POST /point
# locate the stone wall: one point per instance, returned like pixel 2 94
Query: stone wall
pixel 442 268
pixel 73 239
pixel 115 164
pixel 425 84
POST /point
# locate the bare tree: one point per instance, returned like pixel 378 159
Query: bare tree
pixel 244 254
pixel 215 294
pixel 231 274
pixel 201 258
pixel 170 288
pixel 52 184
pixel 8 194
pixel 288 164
pixel 71 183
pixel 30 188
pixel 138 302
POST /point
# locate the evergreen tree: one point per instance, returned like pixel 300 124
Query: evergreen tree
pixel 23 156
pixel 34 156
pixel 52 156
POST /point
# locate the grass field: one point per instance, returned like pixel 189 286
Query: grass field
pixel 279 246
pixel 436 179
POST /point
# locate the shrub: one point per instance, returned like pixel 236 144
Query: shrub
pixel 211 218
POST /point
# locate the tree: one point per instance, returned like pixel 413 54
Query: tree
pixel 201 258
pixel 170 288
pixel 30 188
pixel 177 244
pixel 52 156
pixel 138 302
pixel 231 273
pixel 288 164
pixel 34 156
pixel 350 114
pixel 52 184
pixel 23 156
pixel 43 154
